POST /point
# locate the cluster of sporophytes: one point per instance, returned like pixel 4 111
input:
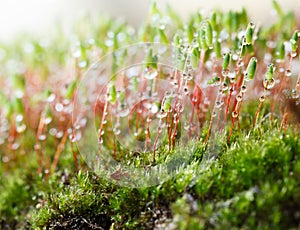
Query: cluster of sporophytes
pixel 216 75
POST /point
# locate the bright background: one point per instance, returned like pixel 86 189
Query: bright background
pixel 36 16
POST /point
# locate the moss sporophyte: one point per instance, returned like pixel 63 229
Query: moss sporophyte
pixel 192 124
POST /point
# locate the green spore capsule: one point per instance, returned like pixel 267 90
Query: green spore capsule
pixel 249 33
pixel 19 82
pixel 195 57
pixel 280 52
pixel 277 8
pixel 18 105
pixel 208 34
pixel 251 68
pixel 48 111
pixel 213 19
pixel 163 36
pixel 121 96
pixel 167 104
pixel 269 75
pixel 294 41
pixel 112 94
pixel 226 60
pixel 218 49
pixel 176 40
pixel 70 90
pixel 190 32
pixel 202 39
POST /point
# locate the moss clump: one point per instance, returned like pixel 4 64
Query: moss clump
pixel 250 184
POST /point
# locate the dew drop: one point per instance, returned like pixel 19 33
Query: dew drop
pixel 239 97
pixel 150 74
pixel 51 98
pixel 42 137
pixel 101 133
pixel 123 110
pixel 19 118
pixel 293 54
pixel 15 146
pixel 288 73
pixel 161 114
pixel 59 107
pixel 225 86
pixel 59 134
pixel 243 88
pixel 186 90
pixel 262 98
pixel 168 94
pixel 100 141
pixel 294 94
pixel 21 128
pixel 117 131
pixel 48 120
pixel 5 159
pixel 218 104
pixel 52 131
pixel 269 84
pixel 186 126
pixel 234 114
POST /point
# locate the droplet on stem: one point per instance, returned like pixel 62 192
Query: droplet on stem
pixel 234 114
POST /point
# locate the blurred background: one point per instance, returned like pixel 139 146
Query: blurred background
pixel 38 16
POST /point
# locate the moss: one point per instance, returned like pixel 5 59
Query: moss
pixel 244 174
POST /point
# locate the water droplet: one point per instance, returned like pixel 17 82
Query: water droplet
pixel 154 109
pixel 161 114
pixel 293 54
pixel 225 86
pixel 239 97
pixel 186 90
pixel 21 128
pixel 218 104
pixel 101 132
pixel 269 84
pixel 240 63
pixel 168 94
pixel 117 131
pixel 214 114
pixel 42 137
pixel 59 134
pixel 225 73
pixel 234 114
pixel 288 73
pixel 59 107
pixel 186 126
pixel 51 98
pixel 243 88
pixel 150 74
pixel 52 131
pixel 148 120
pixel 82 64
pixel 262 98
pixel 123 110
pixel 48 120
pixel 19 118
pixel 100 141
pixel 294 94
pixel 15 146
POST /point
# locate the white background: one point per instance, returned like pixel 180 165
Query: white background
pixel 36 16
